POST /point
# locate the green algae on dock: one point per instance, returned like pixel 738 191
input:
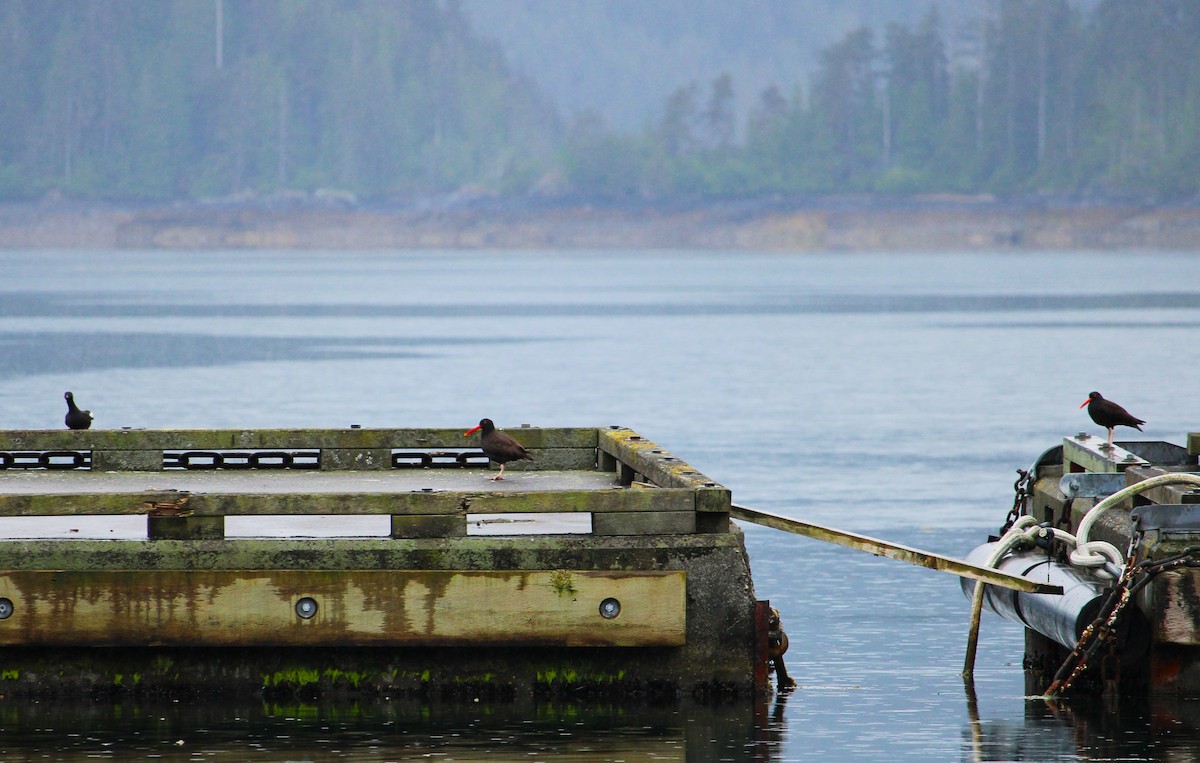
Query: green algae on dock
pixel 653 594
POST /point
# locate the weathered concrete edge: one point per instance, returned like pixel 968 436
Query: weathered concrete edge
pixel 718 659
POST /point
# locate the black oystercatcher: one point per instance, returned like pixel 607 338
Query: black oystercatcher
pixel 1109 415
pixel 76 419
pixel 498 446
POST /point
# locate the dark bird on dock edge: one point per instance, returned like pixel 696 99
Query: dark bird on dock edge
pixel 498 446
pixel 75 418
pixel 1109 415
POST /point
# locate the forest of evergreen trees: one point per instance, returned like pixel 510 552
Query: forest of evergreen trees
pixel 187 99
pixel 1045 100
pixel 142 99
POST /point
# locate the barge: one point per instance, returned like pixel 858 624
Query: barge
pixel 1118 527
pixel 361 560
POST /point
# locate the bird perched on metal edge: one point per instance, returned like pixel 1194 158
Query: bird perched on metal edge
pixel 1109 415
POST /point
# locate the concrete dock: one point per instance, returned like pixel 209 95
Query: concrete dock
pixel 381 561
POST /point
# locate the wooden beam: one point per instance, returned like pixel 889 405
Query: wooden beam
pixel 352 607
pixel 643 523
pixel 211 503
pixel 892 550
pixel 609 500
pixel 281 439
pixel 660 467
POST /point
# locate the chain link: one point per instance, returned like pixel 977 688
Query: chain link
pixel 201 460
pixel 1102 630
pixel 438 459
pixel 46 459
pixel 197 460
pixel 1020 497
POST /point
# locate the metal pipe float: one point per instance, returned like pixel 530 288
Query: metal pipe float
pixel 1061 617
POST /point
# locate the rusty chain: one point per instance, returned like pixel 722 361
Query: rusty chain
pixel 1021 495
pixel 1103 630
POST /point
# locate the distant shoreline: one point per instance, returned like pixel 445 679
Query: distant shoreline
pixel 847 224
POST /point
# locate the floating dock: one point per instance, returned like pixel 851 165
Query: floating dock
pixel 1119 528
pixel 381 561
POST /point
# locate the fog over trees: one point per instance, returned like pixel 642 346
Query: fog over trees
pixel 193 98
pixel 621 100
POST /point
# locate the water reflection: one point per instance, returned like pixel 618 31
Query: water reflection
pixel 1087 728
pixel 1084 729
pixel 395 730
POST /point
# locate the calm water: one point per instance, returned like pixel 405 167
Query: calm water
pixel 890 394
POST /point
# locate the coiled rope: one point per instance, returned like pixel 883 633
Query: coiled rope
pixel 1085 552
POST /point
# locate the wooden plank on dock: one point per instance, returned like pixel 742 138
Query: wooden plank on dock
pixel 613 499
pixel 633 453
pixel 302 502
pixel 227 504
pixel 352 607
pixel 644 523
pixel 396 491
pixel 280 439
pixel 891 550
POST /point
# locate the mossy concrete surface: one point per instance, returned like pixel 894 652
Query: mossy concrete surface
pixel 717 658
pixel 651 513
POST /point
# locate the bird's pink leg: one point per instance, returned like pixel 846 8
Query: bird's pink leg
pixel 499 476
pixel 1110 437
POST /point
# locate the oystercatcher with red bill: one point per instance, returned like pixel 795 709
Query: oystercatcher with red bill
pixel 1109 415
pixel 498 446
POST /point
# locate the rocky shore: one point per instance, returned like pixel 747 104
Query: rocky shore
pixel 929 224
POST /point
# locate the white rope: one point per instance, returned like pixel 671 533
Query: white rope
pixel 1094 553
pixel 1085 553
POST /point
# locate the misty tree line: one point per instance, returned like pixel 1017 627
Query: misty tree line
pixel 165 99
pixel 145 99
pixel 1045 99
